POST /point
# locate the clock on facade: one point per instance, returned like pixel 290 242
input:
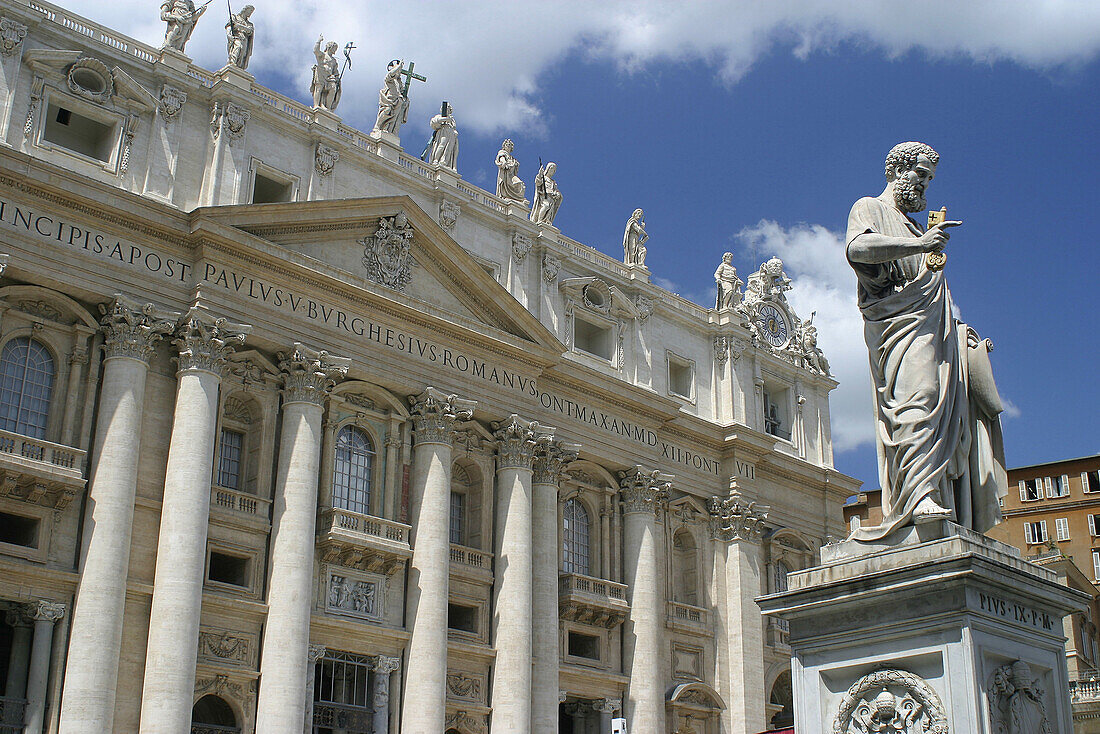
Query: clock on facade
pixel 772 325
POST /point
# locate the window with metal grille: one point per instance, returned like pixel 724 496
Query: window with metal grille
pixel 26 384
pixel 458 518
pixel 351 475
pixel 574 551
pixel 341 694
pixel 229 459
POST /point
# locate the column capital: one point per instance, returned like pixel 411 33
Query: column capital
pixel 132 329
pixel 47 611
pixel 385 665
pixel 308 374
pixel 516 442
pixel 735 519
pixel 607 705
pixel 552 455
pixel 315 652
pixel 640 489
pixel 434 414
pixel 205 341
pixel 19 616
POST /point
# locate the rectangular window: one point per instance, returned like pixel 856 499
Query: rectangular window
pixel 1090 481
pixel 1094 526
pixel 458 518
pixel 229 459
pixel 80 134
pixel 1061 528
pixel 267 190
pixel 342 678
pixel 1096 564
pixel 227 569
pixel 592 338
pixel 1031 490
pixel 680 377
pixel 1057 486
pixel 462 618
pixel 584 646
pixel 18 530
pixel 1035 532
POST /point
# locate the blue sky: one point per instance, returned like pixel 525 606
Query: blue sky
pixel 752 129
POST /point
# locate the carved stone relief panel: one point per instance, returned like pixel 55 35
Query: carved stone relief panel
pixel 226 646
pixel 355 594
pixel 891 701
pixel 463 686
pixel 687 661
pixel 1017 702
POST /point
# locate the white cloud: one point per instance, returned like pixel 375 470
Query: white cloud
pixel 487 57
pixel 813 257
pixel 1011 409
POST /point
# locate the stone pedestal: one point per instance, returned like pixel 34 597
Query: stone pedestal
pixel 947 629
pixel 389 144
pixel 234 76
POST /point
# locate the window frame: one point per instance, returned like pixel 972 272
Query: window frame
pixel 101 114
pixel 52 389
pixel 258 168
pixel 672 359
pixel 568 539
pixel 1061 528
pixel 372 471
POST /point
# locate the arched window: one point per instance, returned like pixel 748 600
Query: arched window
pixel 26 383
pixel 214 712
pixel 351 475
pixel 781 571
pixel 685 581
pixel 574 551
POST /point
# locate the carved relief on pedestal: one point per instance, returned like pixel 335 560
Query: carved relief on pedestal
pixel 386 253
pixel 351 595
pixel 1016 701
pixel 891 702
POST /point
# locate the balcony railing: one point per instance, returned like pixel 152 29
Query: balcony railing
pixel 214 729
pixel 1085 690
pixel 687 617
pixel 591 600
pixel 362 541
pixel 237 501
pixel 472 557
pixel 44 473
pixel 11 715
pixel 337 716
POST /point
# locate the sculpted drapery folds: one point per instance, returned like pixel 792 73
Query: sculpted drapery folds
pixel 393 107
pixel 547 195
pixel 444 145
pixel 325 86
pixel 240 33
pixel 509 185
pixel 181 17
pixel 634 239
pixel 938 434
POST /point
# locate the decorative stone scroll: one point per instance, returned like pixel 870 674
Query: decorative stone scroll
pixel 386 253
pixel 171 103
pixel 205 342
pixel 434 414
pixel 733 518
pixel 12 34
pixel 325 159
pixel 230 118
pixel 47 611
pixel 132 329
pixel 642 489
pixel 308 375
pixel 515 442
pixel 891 701
pixel 1016 701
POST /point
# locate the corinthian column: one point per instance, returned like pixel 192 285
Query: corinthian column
pixel 205 344
pixel 308 376
pixel 640 491
pixel 741 524
pixel 91 671
pixel 45 614
pixel 551 457
pixel 424 703
pixel 380 716
pixel 511 688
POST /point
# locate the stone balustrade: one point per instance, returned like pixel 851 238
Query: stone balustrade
pixel 236 501
pixel 687 617
pixel 591 600
pixel 471 563
pixel 40 472
pixel 362 541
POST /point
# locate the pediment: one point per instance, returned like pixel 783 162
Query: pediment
pixel 392 248
pixel 91 78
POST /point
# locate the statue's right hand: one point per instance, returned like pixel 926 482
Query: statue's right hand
pixel 935 239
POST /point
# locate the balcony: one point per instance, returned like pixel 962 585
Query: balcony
pixel 474 564
pixel 354 540
pixel 688 618
pixel 591 600
pixel 240 505
pixel 40 472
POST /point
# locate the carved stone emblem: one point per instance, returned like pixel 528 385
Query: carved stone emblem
pixel 466 722
pixel 386 253
pixel 448 215
pixel 355 596
pixel 91 79
pixel 890 702
pixel 550 267
pixel 521 245
pixel 171 102
pixel 721 349
pixel 325 159
pixel 1016 702
pixel 225 646
pixel 12 34
pixel 465 687
pixel 645 307
pixel 231 118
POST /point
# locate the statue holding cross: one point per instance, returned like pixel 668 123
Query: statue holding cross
pixel 393 98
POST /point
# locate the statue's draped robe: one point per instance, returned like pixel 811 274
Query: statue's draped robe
pixel 509 185
pixel 932 432
pixel 444 148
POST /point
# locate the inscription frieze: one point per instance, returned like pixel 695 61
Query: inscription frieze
pixel 1017 613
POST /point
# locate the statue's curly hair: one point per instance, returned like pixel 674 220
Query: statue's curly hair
pixel 905 154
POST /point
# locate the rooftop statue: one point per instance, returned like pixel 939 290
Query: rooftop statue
pixel 326 84
pixel 509 185
pixel 634 239
pixel 936 413
pixel 547 196
pixel 181 17
pixel 443 147
pixel 393 105
pixel 239 34
pixel 729 285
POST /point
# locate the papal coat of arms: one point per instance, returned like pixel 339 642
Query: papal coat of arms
pixel 386 253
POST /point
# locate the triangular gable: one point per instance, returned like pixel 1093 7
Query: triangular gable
pixel 439 273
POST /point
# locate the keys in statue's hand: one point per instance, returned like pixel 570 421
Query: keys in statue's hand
pixel 935 239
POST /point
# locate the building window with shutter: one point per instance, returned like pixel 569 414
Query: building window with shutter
pixel 1090 481
pixel 1094 526
pixel 1035 532
pixel 229 459
pixel 1057 486
pixel 1096 564
pixel 1061 528
pixel 1031 490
